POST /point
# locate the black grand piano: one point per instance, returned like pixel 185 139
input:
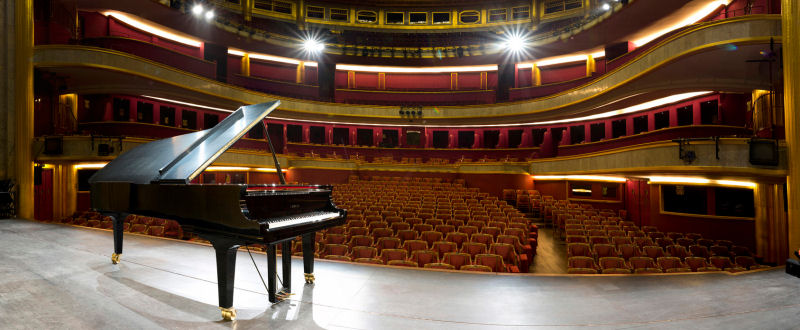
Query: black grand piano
pixel 154 179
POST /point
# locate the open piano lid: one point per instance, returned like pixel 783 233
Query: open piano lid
pixel 181 158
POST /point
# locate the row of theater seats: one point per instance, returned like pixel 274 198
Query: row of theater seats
pixel 611 246
pixel 406 160
pixel 131 224
pixel 442 219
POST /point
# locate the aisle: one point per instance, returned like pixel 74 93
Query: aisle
pixel 551 255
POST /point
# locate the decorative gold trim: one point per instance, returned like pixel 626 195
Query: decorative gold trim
pixel 309 278
pixel 115 258
pixel 228 314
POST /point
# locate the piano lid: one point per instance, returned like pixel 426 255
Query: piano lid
pixel 181 158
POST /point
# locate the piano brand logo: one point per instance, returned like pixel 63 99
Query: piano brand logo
pixel 294 206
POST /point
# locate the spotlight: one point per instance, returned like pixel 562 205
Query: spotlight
pixel 606 7
pixel 209 15
pixel 197 9
pixel 313 46
pixel 515 43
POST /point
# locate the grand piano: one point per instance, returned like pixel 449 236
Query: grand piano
pixel 154 179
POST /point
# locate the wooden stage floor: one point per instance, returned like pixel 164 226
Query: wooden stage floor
pixel 55 276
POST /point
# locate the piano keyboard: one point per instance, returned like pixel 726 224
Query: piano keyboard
pixel 288 221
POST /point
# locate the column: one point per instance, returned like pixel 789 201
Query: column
pixel 790 11
pixel 301 72
pixel 16 95
pixel 536 75
pixel 246 65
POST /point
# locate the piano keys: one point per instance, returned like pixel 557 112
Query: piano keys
pixel 154 179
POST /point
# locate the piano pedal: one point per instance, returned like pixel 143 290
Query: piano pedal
pixel 309 278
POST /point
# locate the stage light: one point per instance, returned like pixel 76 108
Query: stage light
pixel 514 43
pixel 313 46
pixel 197 9
pixel 606 7
pixel 209 15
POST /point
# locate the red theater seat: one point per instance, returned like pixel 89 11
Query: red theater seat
pixel 393 254
pixel 138 228
pixel 424 257
pixel 493 261
pixel 172 229
pixel 457 259
pixel 414 245
pixel 155 231
pixel 442 247
pixel 440 265
pixel 477 268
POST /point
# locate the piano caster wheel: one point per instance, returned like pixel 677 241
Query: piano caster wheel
pixel 309 278
pixel 228 314
pixel 115 258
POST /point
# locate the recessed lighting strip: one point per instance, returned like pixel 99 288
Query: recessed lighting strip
pixel 700 181
pixel 186 103
pixel 431 69
pixel 601 178
pixel 153 29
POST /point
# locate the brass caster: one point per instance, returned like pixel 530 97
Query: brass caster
pixel 309 278
pixel 228 314
pixel 115 258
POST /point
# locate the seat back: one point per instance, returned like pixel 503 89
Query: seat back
pixel 641 262
pixel 413 245
pixel 457 259
pixel 424 257
pixel 393 254
pixel 493 261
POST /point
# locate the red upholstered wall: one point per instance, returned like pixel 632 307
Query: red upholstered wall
pixel 273 71
pixel 565 72
pixel 340 78
pixel 234 65
pixel 365 80
pixel 311 77
pixel 557 189
pixel 418 82
pixel 469 80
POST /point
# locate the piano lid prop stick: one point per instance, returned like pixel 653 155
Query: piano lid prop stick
pixel 274 158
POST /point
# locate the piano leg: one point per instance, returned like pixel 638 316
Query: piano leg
pixel 271 272
pixel 308 256
pixel 226 267
pixel 286 256
pixel 118 222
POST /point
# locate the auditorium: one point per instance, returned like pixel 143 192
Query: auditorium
pixel 384 164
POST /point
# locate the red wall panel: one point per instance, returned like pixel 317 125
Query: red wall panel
pixel 418 82
pixel 562 73
pixel 273 71
pixel 340 78
pixel 469 80
pixel 366 80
